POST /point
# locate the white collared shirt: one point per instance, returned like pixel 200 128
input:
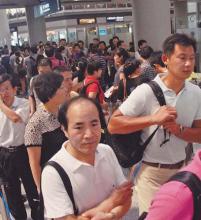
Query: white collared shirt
pixel 91 184
pixel 142 102
pixel 12 134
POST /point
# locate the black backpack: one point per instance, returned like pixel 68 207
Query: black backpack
pixel 129 148
pixel 67 184
pixel 194 184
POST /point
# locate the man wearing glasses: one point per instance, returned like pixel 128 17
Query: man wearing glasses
pixel 180 117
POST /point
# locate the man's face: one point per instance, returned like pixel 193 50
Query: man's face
pixel 102 46
pixel 84 129
pixel 44 69
pixel 62 43
pixel 143 45
pixel 124 45
pixel 95 42
pixel 115 41
pixel 76 49
pixel 67 80
pixel 181 62
pixel 81 45
pixel 7 93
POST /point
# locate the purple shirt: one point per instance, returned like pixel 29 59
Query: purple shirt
pixel 174 200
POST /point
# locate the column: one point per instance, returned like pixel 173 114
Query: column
pixel 5 38
pixel 36 27
pixel 151 21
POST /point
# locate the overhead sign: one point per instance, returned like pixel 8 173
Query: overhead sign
pixel 47 7
pixel 115 19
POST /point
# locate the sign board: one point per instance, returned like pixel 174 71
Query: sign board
pixel 47 7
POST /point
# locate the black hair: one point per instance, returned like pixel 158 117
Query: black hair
pixel 156 58
pixel 46 85
pixel 115 37
pixel 141 42
pixel 14 80
pixel 102 42
pixel 121 52
pixel 146 52
pixel 82 65
pixel 120 42
pixel 34 49
pixel 63 110
pixel 43 61
pixel 93 66
pixel 131 67
pixel 80 41
pixel 49 52
pixel 76 45
pixel 61 69
pixel 180 39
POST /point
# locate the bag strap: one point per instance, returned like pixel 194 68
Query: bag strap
pixel 66 181
pixel 161 99
pixel 194 184
pixel 89 83
pixel 124 85
pixel 157 92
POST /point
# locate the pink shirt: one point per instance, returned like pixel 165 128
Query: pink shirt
pixel 174 200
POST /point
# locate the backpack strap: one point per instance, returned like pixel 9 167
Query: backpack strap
pixel 161 99
pixel 89 83
pixel 66 181
pixel 157 92
pixel 194 184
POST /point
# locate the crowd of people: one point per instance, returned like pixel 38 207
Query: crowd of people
pixel 61 103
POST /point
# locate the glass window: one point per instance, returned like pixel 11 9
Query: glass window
pixel 78 6
pixel 100 5
pixel 91 5
pixel 111 5
pixel 191 7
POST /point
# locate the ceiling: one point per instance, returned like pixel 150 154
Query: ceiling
pixel 22 3
pixel 17 3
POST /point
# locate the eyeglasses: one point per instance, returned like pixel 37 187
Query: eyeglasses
pixel 166 139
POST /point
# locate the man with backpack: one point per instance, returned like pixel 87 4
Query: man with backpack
pixel 179 119
pixel 89 183
pixel 175 200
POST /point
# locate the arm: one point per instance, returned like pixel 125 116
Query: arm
pixel 32 104
pixel 34 154
pixel 12 115
pixel 122 124
pixel 32 101
pixel 185 133
pixel 118 202
pixel 72 217
pixel 92 95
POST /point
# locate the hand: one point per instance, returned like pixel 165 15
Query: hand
pixel 164 114
pixel 102 216
pixel 122 193
pixel 1 100
pixel 172 127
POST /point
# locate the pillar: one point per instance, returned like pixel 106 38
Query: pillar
pixel 36 27
pixel 5 38
pixel 151 21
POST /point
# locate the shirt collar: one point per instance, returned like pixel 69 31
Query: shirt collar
pixel 163 86
pixel 75 164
